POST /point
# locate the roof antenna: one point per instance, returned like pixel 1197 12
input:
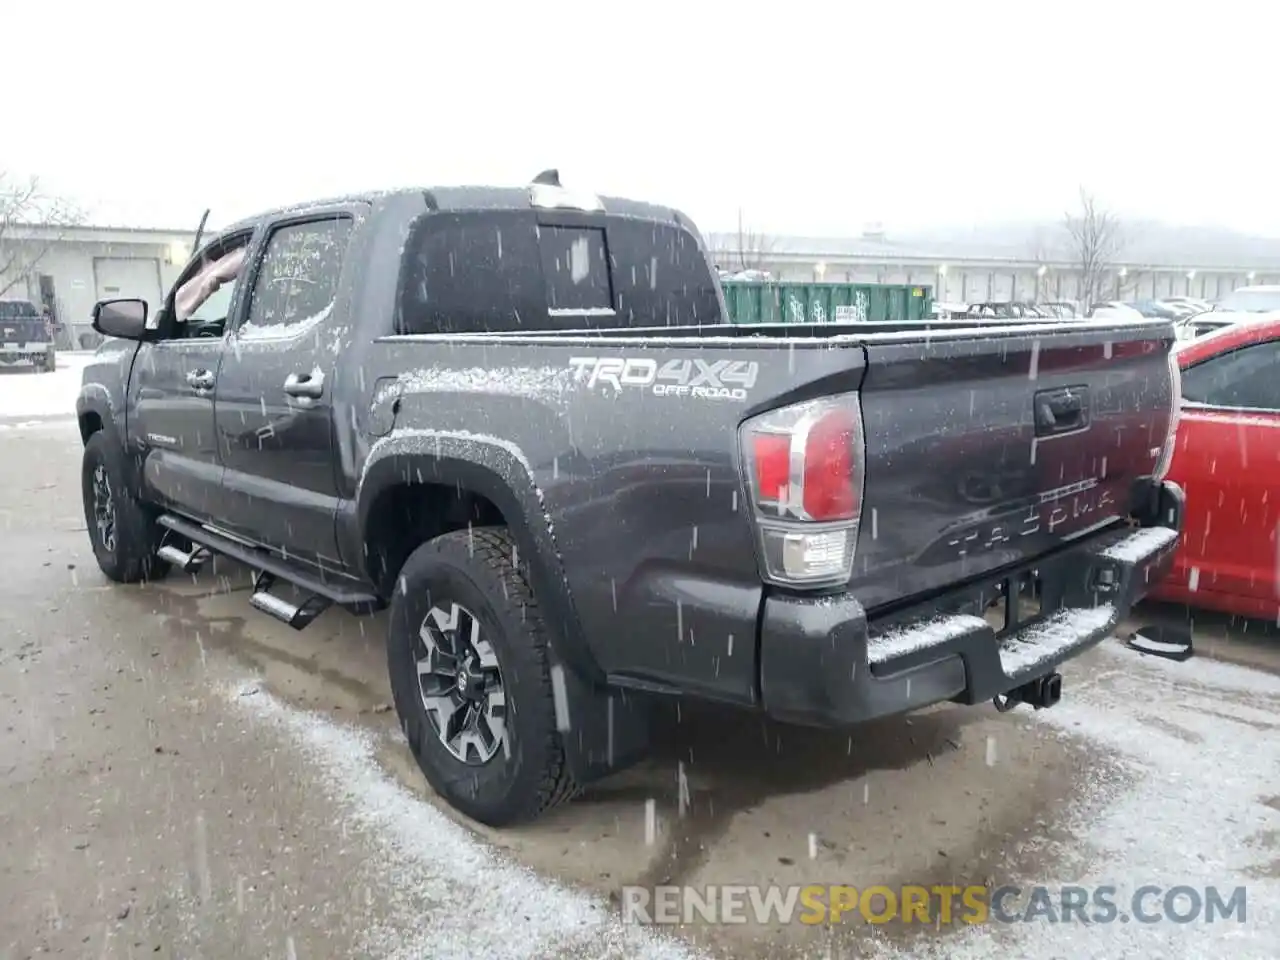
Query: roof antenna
pixel 200 231
pixel 550 178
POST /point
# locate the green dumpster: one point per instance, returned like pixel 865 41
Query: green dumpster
pixel 754 302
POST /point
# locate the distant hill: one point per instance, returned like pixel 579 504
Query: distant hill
pixel 1146 243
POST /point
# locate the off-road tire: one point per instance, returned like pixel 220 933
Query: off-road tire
pixel 137 536
pixel 474 568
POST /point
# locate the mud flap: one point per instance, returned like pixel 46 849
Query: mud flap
pixel 603 731
pixel 1169 642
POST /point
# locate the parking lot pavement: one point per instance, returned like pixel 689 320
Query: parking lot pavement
pixel 28 397
pixel 180 776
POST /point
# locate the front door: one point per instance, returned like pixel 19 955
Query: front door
pixel 171 388
pixel 274 406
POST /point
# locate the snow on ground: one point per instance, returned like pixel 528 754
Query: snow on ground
pixel 25 393
pixel 1202 740
pixel 1199 807
pixel 458 897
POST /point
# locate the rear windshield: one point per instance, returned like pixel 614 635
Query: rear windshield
pixel 18 310
pixel 498 271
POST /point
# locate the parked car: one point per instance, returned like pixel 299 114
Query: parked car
pixel 1008 310
pixel 1255 299
pixel 1245 305
pixel 1176 310
pixel 1187 306
pixel 948 310
pixel 1063 309
pixel 518 418
pixel 26 339
pixel 745 276
pixel 1192 305
pixel 1115 310
pixel 1190 328
pixel 1154 309
pixel 1227 458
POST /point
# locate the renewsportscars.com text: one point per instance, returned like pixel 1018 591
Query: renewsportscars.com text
pixel 934 905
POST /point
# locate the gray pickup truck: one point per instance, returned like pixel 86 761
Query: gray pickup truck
pixel 517 418
pixel 25 338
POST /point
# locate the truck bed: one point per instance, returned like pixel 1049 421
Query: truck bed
pixel 642 483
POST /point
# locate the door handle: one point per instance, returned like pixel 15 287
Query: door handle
pixel 200 380
pixel 309 385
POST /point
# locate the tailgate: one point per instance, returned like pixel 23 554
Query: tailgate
pixel 990 449
pixel 22 330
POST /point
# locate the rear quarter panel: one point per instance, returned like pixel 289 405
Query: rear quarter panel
pixel 639 489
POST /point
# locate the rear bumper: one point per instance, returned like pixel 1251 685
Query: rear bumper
pixel 13 353
pixel 823 664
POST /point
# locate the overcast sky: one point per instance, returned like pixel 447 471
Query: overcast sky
pixel 811 117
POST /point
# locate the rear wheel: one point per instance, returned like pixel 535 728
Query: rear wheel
pixel 122 529
pixel 468 655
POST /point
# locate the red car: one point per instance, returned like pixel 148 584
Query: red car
pixel 1227 460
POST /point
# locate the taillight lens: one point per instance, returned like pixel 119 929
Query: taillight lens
pixel 1166 454
pixel 805 470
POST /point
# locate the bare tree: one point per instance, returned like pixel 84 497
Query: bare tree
pixel 752 249
pixel 31 222
pixel 1096 241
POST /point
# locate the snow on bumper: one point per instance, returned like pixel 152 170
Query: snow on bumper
pixel 822 663
pixel 13 353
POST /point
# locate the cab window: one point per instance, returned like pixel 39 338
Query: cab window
pixel 204 295
pixel 1248 378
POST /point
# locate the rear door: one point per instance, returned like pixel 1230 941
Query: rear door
pixel 274 397
pixel 1228 460
pixel 989 449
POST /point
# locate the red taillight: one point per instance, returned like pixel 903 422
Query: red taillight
pixel 772 454
pixel 830 492
pixel 804 466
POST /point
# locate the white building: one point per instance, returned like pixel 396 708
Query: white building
pixel 1158 262
pixel 68 269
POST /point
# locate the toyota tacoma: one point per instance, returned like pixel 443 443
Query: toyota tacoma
pixel 518 419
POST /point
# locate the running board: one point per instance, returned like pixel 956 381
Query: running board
pixel 297 616
pixel 268 568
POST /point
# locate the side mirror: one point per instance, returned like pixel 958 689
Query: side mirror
pixel 125 319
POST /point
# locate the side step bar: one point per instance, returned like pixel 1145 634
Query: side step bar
pixel 187 562
pixel 296 616
pixel 268 569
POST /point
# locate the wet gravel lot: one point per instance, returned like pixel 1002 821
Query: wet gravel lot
pixel 182 777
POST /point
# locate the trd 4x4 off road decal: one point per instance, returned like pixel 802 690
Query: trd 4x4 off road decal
pixel 700 379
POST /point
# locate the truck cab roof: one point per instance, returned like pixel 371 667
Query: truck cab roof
pixel 458 199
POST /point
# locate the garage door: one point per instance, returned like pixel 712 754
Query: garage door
pixel 128 277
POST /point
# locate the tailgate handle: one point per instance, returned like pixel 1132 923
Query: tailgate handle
pixel 1061 411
